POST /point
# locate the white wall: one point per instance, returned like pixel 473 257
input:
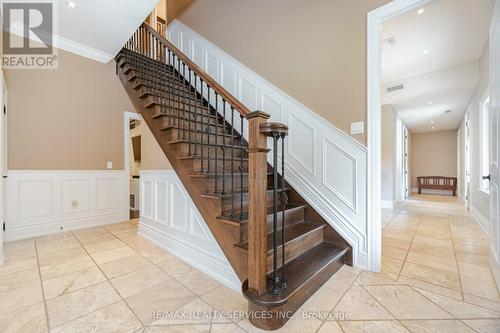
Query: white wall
pixel 51 201
pixel 479 200
pixel 3 158
pixel 170 219
pixel 388 160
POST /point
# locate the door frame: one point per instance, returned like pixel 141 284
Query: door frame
pixel 3 159
pixel 375 18
pixel 127 117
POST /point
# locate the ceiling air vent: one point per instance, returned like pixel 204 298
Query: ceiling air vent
pixel 395 88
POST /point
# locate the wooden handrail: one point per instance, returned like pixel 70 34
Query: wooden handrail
pixel 226 95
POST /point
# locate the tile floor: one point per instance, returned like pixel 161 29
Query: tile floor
pixel 435 278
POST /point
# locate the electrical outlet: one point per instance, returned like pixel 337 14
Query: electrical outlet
pixel 110 165
pixel 357 128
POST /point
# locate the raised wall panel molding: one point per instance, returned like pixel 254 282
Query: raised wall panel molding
pixel 312 167
pixel 186 236
pixel 45 202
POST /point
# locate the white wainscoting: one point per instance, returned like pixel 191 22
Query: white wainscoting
pixel 170 219
pixel 46 202
pixel 325 165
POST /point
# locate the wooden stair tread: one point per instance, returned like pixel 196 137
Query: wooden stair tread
pixel 292 232
pixel 229 195
pixel 243 218
pixel 211 158
pixel 300 272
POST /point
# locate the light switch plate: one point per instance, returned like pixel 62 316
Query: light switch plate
pixel 358 128
pixel 109 165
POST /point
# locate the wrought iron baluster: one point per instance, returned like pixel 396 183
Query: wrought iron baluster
pixel 275 214
pixel 216 137
pixel 224 146
pixel 232 161
pixel 189 112
pixel 284 202
pixel 202 162
pixel 241 165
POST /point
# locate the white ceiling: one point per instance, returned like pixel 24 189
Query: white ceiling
pixel 453 33
pixel 96 28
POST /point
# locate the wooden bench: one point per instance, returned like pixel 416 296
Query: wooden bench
pixel 437 183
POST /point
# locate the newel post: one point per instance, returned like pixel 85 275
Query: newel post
pixel 257 203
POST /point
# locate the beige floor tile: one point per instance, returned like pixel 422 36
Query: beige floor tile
pixel 54 258
pixel 432 261
pixel 65 284
pixel 426 241
pixel 55 237
pixel 81 302
pixel 21 249
pixel 475 271
pixel 323 301
pixel 64 267
pixel 113 318
pixel 436 326
pixel 120 227
pixel 17 279
pixel 226 328
pixel 330 327
pixel 154 253
pixel 342 280
pixel 226 301
pixel 19 298
pixel 437 251
pixel 358 304
pixel 27 320
pixel 174 267
pixel 484 325
pixel 393 252
pixel 134 282
pixel 113 254
pixel 103 246
pixel 480 287
pixel 406 303
pixel 396 242
pixel 372 279
pixel 162 298
pixel 125 265
pixel 477 259
pixel 198 282
pixel 439 277
pixel 179 329
pixel 456 294
pixel 292 326
pixel 194 313
pixel 372 327
pixel 50 246
pixel 459 309
pixel 485 303
pixel 10 266
pixel 391 265
pixel 92 236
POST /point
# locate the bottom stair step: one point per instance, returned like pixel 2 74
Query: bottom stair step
pixel 305 275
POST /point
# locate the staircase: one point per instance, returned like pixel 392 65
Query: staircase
pixel 281 249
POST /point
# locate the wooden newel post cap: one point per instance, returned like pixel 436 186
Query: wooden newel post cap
pixel 271 129
pixel 258 114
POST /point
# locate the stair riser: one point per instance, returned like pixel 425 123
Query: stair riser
pixel 225 183
pixel 295 248
pixel 292 216
pixel 173 120
pixel 195 127
pixel 228 166
pixel 174 101
pixel 226 202
pixel 184 150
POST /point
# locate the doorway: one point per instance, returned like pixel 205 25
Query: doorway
pixel 132 161
pixel 3 158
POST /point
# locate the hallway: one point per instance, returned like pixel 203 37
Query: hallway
pixel 435 278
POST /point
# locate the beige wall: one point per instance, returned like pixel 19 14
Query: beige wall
pixel 70 118
pixel 313 50
pixel 433 154
pixel 175 8
pixel 152 157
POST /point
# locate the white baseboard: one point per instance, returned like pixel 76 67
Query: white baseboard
pixel 42 202
pixel 480 219
pixel 170 219
pixel 18 233
pixel 387 204
pixel 2 256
